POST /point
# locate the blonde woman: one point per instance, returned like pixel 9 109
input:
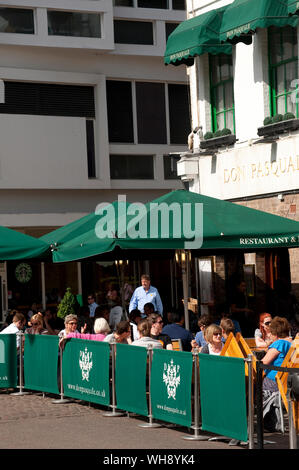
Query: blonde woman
pixel 36 324
pixel 213 336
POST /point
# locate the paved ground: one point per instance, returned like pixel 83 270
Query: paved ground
pixel 33 421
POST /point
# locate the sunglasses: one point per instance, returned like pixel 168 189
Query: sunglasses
pixel 159 321
pixel 217 334
pixel 73 323
pixel 267 323
pixel 35 324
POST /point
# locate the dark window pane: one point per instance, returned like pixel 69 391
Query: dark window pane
pixel 169 28
pixel 48 99
pixel 178 4
pixel 133 32
pixel 170 167
pixel 120 113
pixel 151 116
pixel 178 113
pixel 65 23
pixel 153 4
pixel 91 165
pixel 123 3
pixel 16 20
pixel 131 167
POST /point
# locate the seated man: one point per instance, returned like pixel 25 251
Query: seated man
pixel 156 323
pixel 176 330
pixel 18 323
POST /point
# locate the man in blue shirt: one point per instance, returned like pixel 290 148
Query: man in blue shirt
pixel 144 294
pixel 176 330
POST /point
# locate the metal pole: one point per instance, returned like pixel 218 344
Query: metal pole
pixel 250 403
pixel 113 413
pixel 20 334
pixel 43 278
pixel 292 430
pixel 196 427
pixel 62 399
pixel 150 424
pixel 259 405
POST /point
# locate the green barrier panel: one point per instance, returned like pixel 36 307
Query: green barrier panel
pixel 171 381
pixel 8 361
pixel 223 395
pixel 85 370
pixel 41 363
pixel 130 378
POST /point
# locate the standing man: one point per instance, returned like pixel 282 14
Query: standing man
pixel 92 305
pixel 144 294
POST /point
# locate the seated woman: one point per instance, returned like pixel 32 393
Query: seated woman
pixel 36 324
pixel 101 329
pixel 213 336
pixel 199 341
pixel 144 329
pixel 277 351
pixel 262 334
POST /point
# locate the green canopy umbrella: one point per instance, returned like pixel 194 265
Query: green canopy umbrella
pixel 194 37
pixel 293 7
pixel 242 17
pixel 16 245
pixel 175 221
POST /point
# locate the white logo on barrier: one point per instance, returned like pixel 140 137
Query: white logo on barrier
pixel 171 378
pixel 85 363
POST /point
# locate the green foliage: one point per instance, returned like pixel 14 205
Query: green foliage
pixel 218 133
pixel 67 304
pixel 268 120
pixel 277 118
pixel 226 131
pixel 208 135
pixel 288 116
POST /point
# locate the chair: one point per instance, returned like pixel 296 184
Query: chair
pixel 246 350
pixel 177 344
pixel 250 341
pixel 291 360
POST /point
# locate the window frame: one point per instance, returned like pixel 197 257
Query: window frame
pixel 213 94
pixel 272 71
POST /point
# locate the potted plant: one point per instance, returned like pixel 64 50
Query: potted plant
pixel 278 124
pixel 67 305
pixel 217 139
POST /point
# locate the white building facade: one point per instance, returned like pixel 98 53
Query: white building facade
pixel 88 109
pixel 252 166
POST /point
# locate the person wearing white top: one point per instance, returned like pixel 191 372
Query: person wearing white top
pixel 18 323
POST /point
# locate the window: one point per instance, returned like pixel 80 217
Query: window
pixel 222 92
pixel 283 64
pixel 123 3
pixel 151 113
pixel 178 113
pixel 178 4
pixel 48 99
pixel 169 28
pixel 133 32
pixel 65 23
pixel 144 103
pixel 153 4
pixel 132 167
pixel 120 111
pixel 170 167
pixel 90 148
pixel 16 20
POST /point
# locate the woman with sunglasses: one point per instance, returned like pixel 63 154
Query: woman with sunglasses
pixel 262 335
pixel 213 336
pixel 36 324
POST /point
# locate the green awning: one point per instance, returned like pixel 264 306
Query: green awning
pixel 194 37
pixel 293 7
pixel 243 17
pixel 225 225
pixel 16 245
